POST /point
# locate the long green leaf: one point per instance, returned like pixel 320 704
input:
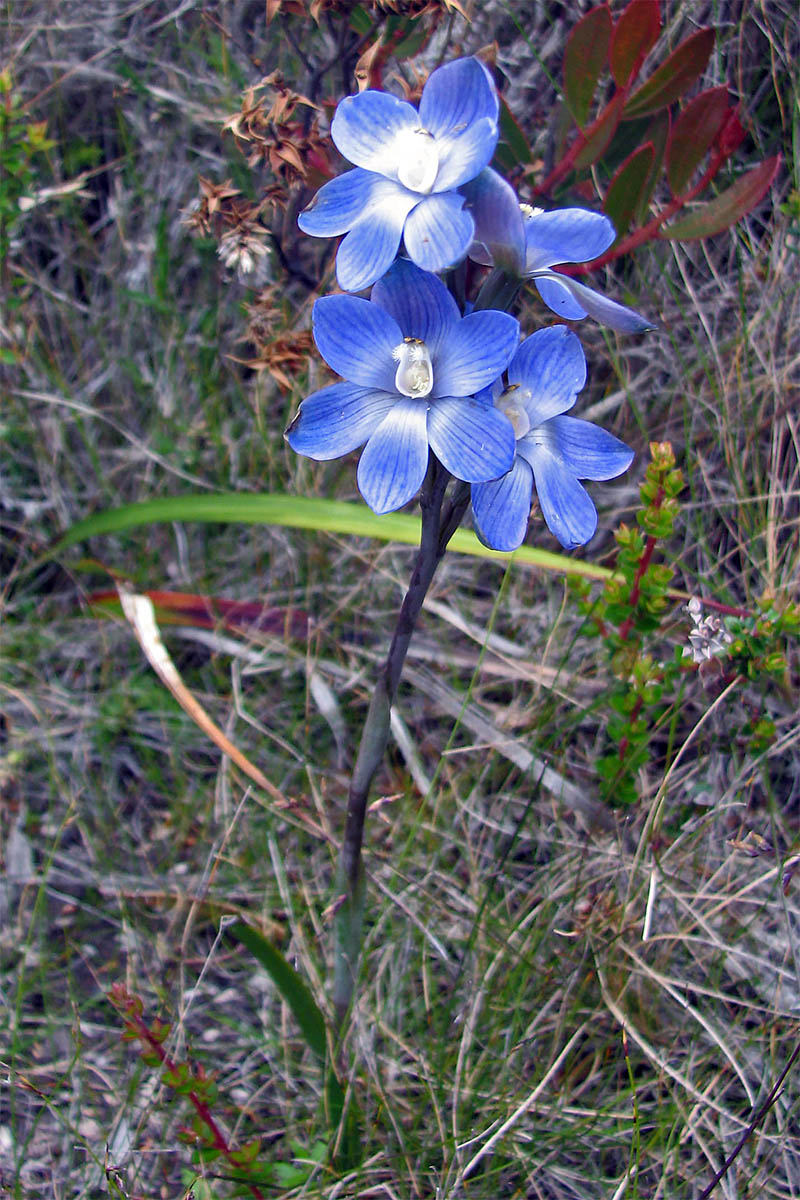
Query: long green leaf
pixel 309 1017
pixel 306 512
pixel 290 985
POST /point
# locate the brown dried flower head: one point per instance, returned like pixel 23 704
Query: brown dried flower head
pixel 281 352
pixel 269 129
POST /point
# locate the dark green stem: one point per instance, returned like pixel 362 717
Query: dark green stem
pixel 498 290
pixel 437 529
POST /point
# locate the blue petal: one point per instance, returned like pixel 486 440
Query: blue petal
pixel 366 127
pixel 394 462
pixel 336 419
pixel 462 156
pixel 574 300
pixel 489 394
pixel 456 95
pixel 499 230
pixel 558 296
pixel 550 369
pixel 339 203
pixel 565 235
pixel 438 232
pixel 473 441
pixel 371 245
pixel 501 507
pixel 566 505
pixel 419 302
pixel 474 353
pixel 356 339
pixel 587 450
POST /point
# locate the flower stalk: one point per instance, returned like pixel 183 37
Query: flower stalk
pixel 437 529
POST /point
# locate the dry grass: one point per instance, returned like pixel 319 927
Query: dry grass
pixel 617 1001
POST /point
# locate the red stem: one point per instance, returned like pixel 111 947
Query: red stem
pixel 633 598
pixel 139 1027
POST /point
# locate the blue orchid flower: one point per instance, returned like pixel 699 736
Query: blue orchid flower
pixel 528 242
pixel 412 365
pixel 553 451
pixel 408 165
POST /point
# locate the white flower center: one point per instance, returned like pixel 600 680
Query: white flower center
pixel 511 405
pixel 414 376
pixel 529 211
pixel 418 160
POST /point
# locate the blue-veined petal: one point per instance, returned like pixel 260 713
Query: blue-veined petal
pixel 474 353
pixel 565 235
pixel 550 369
pixel 574 300
pixel 371 245
pixel 337 419
pixel 566 505
pixel 499 230
pixel 463 155
pixel 339 203
pixel 438 233
pixel 357 339
pixel 366 129
pixel 489 394
pixel 456 95
pixel 395 459
pixel 587 450
pixel 419 302
pixel 557 296
pixel 473 441
pixel 501 507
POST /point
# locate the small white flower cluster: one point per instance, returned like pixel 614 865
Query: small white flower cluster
pixel 709 638
pixel 245 253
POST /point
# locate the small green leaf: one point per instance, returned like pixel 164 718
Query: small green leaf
pixel 657 135
pixel 635 33
pixel 686 64
pixel 601 134
pixel 693 134
pixel 512 150
pixel 584 58
pixel 624 194
pixel 360 20
pixel 726 209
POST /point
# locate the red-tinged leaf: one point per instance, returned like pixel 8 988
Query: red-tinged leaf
pixel 211 612
pixel 658 135
pixel 602 132
pixel 625 190
pixel 635 33
pixel 727 208
pixel 731 135
pixel 693 134
pixel 674 77
pixel 584 58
